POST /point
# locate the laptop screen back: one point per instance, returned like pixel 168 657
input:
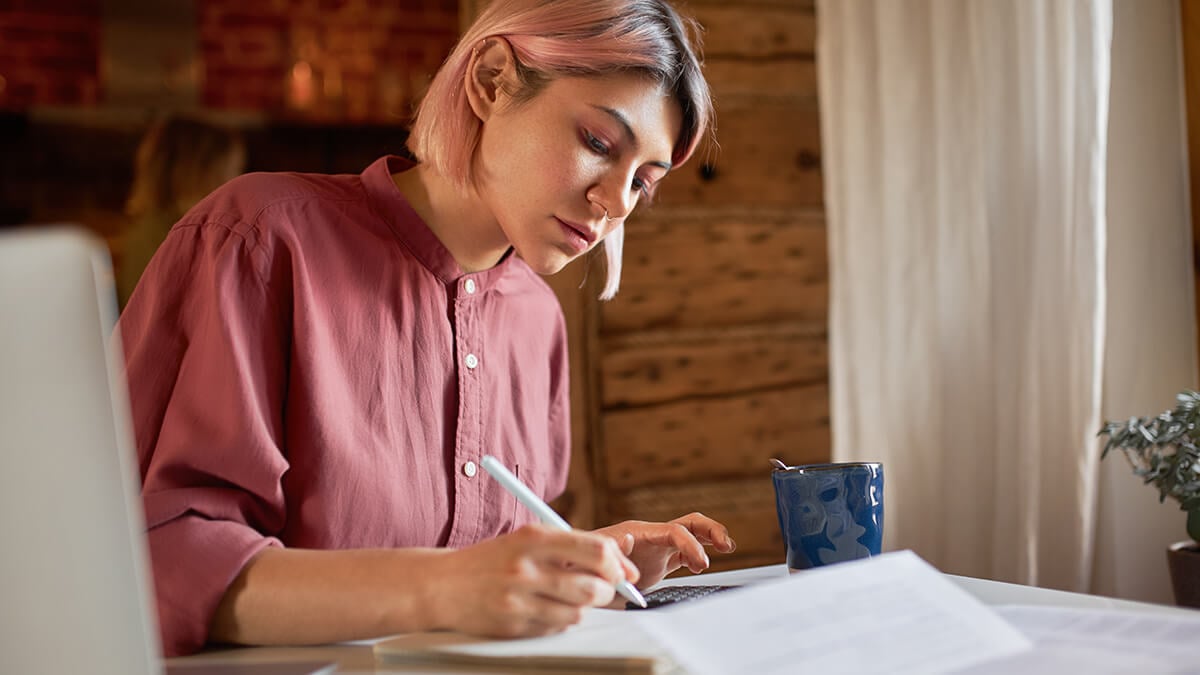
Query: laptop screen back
pixel 73 571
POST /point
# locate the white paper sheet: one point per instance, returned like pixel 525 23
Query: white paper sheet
pixel 1098 642
pixel 601 633
pixel 604 641
pixel 890 614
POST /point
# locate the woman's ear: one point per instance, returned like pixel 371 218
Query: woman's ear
pixel 491 72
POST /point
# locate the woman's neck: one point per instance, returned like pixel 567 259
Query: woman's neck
pixel 459 219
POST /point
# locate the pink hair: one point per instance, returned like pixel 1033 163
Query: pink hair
pixel 567 38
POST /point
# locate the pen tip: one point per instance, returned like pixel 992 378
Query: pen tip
pixel 632 593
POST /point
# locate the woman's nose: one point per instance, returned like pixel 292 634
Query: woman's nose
pixel 615 197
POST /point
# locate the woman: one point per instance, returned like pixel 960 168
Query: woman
pixel 317 363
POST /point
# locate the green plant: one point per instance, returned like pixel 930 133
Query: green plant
pixel 1163 450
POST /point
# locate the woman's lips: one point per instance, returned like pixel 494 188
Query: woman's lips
pixel 580 238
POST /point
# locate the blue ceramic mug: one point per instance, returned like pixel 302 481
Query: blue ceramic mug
pixel 829 513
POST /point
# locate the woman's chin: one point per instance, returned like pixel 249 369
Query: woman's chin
pixel 547 263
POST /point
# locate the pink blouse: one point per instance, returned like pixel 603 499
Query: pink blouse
pixel 309 367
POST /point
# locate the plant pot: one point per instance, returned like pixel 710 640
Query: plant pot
pixel 1183 559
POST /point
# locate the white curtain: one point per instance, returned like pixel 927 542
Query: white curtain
pixel 964 158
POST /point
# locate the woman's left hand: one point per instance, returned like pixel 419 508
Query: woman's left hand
pixel 661 548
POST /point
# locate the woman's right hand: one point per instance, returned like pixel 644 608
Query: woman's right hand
pixel 535 581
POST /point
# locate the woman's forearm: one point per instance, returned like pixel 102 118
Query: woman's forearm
pixel 299 596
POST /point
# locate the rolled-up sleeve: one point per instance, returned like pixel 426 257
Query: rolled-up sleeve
pixel 206 355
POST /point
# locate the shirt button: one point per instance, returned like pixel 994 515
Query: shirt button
pixel 472 361
pixel 469 469
pixel 470 285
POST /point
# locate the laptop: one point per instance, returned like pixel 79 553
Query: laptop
pixel 74 582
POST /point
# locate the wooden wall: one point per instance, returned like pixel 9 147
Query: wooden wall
pixel 714 355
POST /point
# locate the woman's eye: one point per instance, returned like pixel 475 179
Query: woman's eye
pixel 646 187
pixel 596 144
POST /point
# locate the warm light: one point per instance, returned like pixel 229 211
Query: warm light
pixel 332 82
pixel 301 91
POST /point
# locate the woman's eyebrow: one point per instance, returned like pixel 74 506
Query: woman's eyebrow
pixel 620 119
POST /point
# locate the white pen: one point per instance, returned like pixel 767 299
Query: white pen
pixel 545 513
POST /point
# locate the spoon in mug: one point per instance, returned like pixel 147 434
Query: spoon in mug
pixel 779 465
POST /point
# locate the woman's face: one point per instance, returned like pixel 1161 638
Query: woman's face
pixel 548 168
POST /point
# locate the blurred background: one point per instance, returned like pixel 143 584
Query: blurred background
pixel 715 355
pixel 312 86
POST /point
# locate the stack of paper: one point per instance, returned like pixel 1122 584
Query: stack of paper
pixel 892 614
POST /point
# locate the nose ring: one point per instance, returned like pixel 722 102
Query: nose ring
pixel 606 216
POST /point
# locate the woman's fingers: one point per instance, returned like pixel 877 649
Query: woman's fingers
pixel 691 551
pixel 524 614
pixel 578 567
pixel 535 581
pixel 626 542
pixel 675 537
pixel 570 586
pixel 708 531
pixel 585 551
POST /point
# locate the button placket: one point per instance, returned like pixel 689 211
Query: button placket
pixel 469 516
pixel 471 360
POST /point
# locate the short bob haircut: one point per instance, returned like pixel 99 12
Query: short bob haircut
pixel 567 38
